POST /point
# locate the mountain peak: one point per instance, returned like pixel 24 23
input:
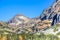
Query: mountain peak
pixel 18 15
pixel 57 0
pixel 52 13
pixel 18 19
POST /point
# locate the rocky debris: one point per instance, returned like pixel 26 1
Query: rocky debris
pixel 43 24
pixel 3 23
pixel 33 25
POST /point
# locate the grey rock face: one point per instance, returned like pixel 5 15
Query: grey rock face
pixel 52 13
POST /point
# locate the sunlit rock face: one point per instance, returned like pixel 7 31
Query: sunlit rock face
pixel 18 19
pixel 52 13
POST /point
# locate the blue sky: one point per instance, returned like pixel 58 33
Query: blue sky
pixel 29 8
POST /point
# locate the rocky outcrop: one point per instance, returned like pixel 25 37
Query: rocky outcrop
pixel 52 13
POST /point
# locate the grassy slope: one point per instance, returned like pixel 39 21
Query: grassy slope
pixel 6 34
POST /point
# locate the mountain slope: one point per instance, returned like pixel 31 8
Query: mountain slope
pixel 52 13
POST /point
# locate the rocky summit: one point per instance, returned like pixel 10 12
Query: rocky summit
pixel 20 23
pixel 52 13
